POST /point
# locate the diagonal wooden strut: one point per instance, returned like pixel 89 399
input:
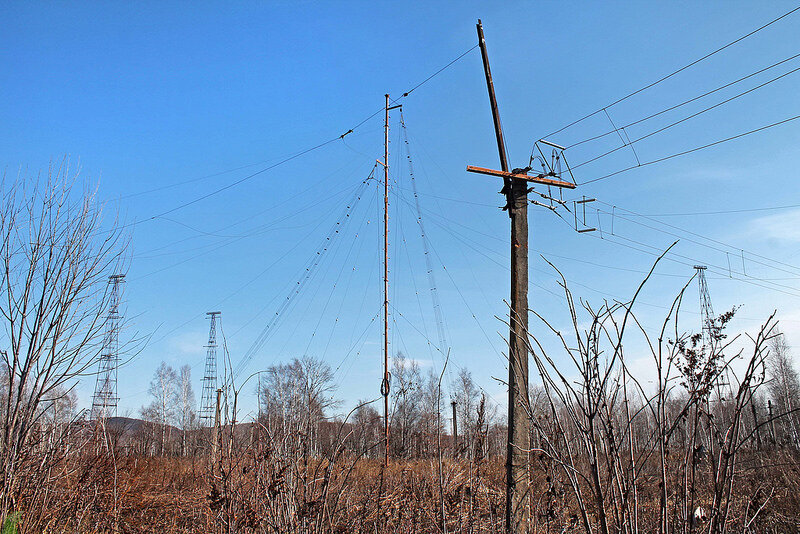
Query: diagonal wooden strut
pixel 538 178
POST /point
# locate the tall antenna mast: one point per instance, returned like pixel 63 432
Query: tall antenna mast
pixel 208 399
pixel 706 311
pixel 385 382
pixel 104 401
pixel 386 281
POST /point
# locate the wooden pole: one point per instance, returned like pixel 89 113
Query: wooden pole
pixel 455 429
pixel 385 384
pixel 516 190
pixel 216 448
pixel 771 423
pixel 755 420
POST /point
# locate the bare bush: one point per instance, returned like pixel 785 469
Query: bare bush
pixel 675 450
pixel 56 257
pixel 634 456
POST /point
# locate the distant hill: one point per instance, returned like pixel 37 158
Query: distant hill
pixel 131 425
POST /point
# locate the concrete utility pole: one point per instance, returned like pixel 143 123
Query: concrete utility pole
pixel 515 188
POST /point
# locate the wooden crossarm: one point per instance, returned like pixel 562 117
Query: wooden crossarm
pixel 536 178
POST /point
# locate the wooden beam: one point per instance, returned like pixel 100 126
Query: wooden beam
pixel 539 179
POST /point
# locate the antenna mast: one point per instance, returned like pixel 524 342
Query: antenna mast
pixel 104 401
pixel 385 382
pixel 208 402
pixel 386 280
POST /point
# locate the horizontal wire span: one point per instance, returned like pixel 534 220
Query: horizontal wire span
pixel 673 73
pixel 733 248
pixel 680 121
pixel 279 163
pixel 682 259
pixel 683 153
pixel 689 101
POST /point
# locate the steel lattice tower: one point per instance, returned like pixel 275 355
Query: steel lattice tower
pixel 208 399
pixel 706 311
pixel 104 401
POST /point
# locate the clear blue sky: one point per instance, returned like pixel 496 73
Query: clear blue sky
pixel 147 95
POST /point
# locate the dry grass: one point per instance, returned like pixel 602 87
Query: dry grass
pixel 178 495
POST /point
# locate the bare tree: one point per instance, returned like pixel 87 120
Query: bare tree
pixel 318 387
pixel 186 399
pixel 406 412
pixel 430 416
pixel 163 410
pixel 367 422
pixel 784 388
pixel 295 396
pixel 56 256
pixel 466 397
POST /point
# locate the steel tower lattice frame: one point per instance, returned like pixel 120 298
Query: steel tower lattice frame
pixel 105 398
pixel 706 311
pixel 208 398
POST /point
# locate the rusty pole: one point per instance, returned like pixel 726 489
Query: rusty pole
pixel 455 429
pixel 385 387
pixel 216 456
pixel 516 190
